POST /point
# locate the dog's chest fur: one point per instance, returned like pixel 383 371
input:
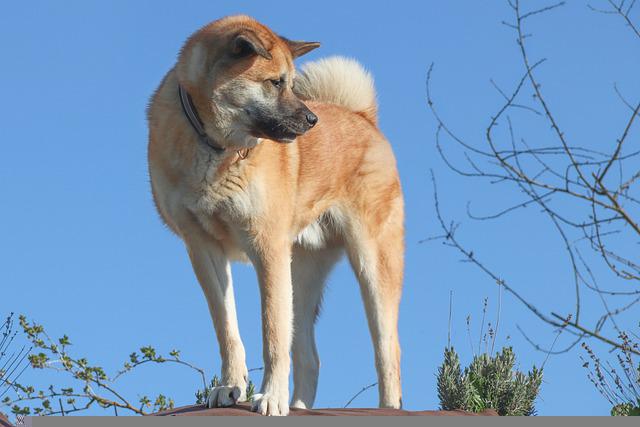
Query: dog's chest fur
pixel 234 195
pixel 228 205
pixel 229 200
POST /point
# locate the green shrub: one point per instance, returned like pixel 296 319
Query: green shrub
pixel 487 383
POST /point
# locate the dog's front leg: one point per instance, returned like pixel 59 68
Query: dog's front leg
pixel 276 294
pixel 214 274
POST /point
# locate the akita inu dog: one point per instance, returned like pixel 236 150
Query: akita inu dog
pixel 249 161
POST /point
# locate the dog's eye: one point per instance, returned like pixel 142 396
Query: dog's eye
pixel 278 83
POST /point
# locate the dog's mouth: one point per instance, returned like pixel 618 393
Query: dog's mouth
pixel 279 133
pixel 286 136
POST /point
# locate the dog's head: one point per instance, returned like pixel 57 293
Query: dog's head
pixel 240 76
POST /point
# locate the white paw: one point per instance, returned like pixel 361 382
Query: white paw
pixel 223 396
pixel 271 403
pixel 298 403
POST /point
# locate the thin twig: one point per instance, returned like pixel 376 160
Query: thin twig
pixel 359 393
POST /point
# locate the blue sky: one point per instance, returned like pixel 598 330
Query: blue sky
pixel 83 251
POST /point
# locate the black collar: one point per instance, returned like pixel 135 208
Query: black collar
pixel 192 115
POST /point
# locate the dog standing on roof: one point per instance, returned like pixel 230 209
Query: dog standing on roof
pixel 251 162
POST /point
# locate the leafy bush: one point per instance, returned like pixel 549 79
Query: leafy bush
pixel 487 383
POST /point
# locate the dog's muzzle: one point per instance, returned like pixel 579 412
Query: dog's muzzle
pixel 284 128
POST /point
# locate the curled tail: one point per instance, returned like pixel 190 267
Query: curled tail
pixel 341 81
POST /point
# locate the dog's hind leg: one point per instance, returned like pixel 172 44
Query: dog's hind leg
pixel 213 271
pixel 309 271
pixel 376 255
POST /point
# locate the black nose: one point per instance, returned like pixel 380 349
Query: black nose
pixel 312 119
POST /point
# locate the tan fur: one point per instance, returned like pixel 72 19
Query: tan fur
pixel 355 92
pixel 334 187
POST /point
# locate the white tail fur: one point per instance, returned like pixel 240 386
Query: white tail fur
pixel 341 81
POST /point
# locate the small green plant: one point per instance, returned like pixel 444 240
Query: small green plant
pixel 626 410
pixel 489 382
pixel 621 387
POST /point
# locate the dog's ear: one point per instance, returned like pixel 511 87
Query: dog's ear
pixel 247 43
pixel 299 48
